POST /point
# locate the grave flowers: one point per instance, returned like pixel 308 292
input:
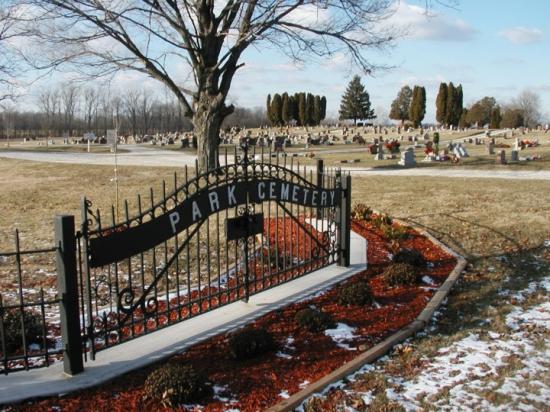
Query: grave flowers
pixel 393 146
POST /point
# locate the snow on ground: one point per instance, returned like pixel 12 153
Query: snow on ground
pixel 485 370
pixel 341 334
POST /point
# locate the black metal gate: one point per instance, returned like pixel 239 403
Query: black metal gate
pixel 215 238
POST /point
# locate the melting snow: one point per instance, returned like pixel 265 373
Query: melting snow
pixel 284 395
pixel 341 334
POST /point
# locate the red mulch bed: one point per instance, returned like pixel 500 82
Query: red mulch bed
pixel 256 384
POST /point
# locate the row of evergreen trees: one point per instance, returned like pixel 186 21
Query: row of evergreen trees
pixel 449 104
pixel 409 105
pixel 303 108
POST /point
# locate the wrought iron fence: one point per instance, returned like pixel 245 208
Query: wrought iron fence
pixel 29 315
pixel 138 275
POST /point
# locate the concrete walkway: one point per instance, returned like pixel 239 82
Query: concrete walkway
pixel 139 155
pixel 151 348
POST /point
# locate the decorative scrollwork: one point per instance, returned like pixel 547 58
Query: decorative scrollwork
pixel 126 304
pixel 102 290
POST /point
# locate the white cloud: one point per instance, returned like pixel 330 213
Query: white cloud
pixel 416 23
pixel 309 15
pixel 522 35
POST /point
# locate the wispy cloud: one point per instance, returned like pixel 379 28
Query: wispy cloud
pixel 522 35
pixel 416 23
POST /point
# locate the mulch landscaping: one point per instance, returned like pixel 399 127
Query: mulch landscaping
pixel 301 357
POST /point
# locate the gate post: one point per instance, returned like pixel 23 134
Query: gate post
pixel 320 175
pixel 345 223
pixel 67 285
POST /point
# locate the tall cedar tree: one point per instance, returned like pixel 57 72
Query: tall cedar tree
pixel 400 107
pixel 451 99
pixel 276 110
pixel 296 108
pixel 268 109
pixel 309 109
pixel 458 106
pixel 316 118
pixel 356 102
pixel 302 109
pixel 495 118
pixel 323 107
pixel 418 106
pixel 441 104
pixel 286 116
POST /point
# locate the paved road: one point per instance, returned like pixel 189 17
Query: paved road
pixel 143 156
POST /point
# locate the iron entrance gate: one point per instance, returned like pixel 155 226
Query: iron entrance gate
pixel 216 238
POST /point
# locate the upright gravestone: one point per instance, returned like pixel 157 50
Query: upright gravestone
pixel 380 153
pixel 501 157
pixel 514 156
pixel 489 148
pixel 407 158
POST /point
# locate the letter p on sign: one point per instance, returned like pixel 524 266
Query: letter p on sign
pixel 174 220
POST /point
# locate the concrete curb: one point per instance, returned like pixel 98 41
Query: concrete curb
pixel 383 347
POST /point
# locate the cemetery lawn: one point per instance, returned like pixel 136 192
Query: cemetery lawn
pixel 501 227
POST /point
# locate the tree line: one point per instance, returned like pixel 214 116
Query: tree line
pixel 409 105
pixel 73 111
pixel 303 109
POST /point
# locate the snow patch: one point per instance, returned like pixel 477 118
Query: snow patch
pixel 341 334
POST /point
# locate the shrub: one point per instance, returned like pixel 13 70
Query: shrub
pixel 381 220
pixel 361 212
pixel 394 232
pixel 410 256
pixel 249 343
pixel 175 384
pixel 357 294
pixel 400 274
pixel 314 320
pixel 12 329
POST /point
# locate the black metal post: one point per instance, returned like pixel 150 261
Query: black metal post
pixel 320 175
pixel 67 284
pixel 345 223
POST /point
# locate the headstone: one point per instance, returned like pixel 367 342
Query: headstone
pixel 501 157
pixel 489 148
pixel 407 158
pixel 380 153
pixel 514 156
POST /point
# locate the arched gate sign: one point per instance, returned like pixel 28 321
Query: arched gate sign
pixel 216 238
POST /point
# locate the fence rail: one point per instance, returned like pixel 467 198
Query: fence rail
pixel 114 279
pixel 29 317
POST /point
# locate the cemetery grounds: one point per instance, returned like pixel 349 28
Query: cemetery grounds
pixel 487 347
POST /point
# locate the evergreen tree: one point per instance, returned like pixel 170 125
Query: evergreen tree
pixel 268 109
pixel 302 109
pixel 355 102
pixel 495 118
pixel 309 109
pixel 323 108
pixel 316 118
pixel 441 104
pixel 418 105
pixel 277 110
pixel 285 110
pixel 401 106
pixel 458 106
pixel 295 108
pixel 451 100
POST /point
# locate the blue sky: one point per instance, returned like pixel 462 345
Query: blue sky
pixel 491 47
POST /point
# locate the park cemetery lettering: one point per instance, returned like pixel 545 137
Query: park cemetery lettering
pixel 128 241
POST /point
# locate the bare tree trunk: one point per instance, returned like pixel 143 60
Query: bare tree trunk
pixel 207 122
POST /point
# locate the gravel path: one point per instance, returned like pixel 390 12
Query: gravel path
pixel 142 156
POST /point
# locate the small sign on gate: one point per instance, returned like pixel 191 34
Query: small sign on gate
pixel 244 226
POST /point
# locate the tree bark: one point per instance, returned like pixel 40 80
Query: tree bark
pixel 207 121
